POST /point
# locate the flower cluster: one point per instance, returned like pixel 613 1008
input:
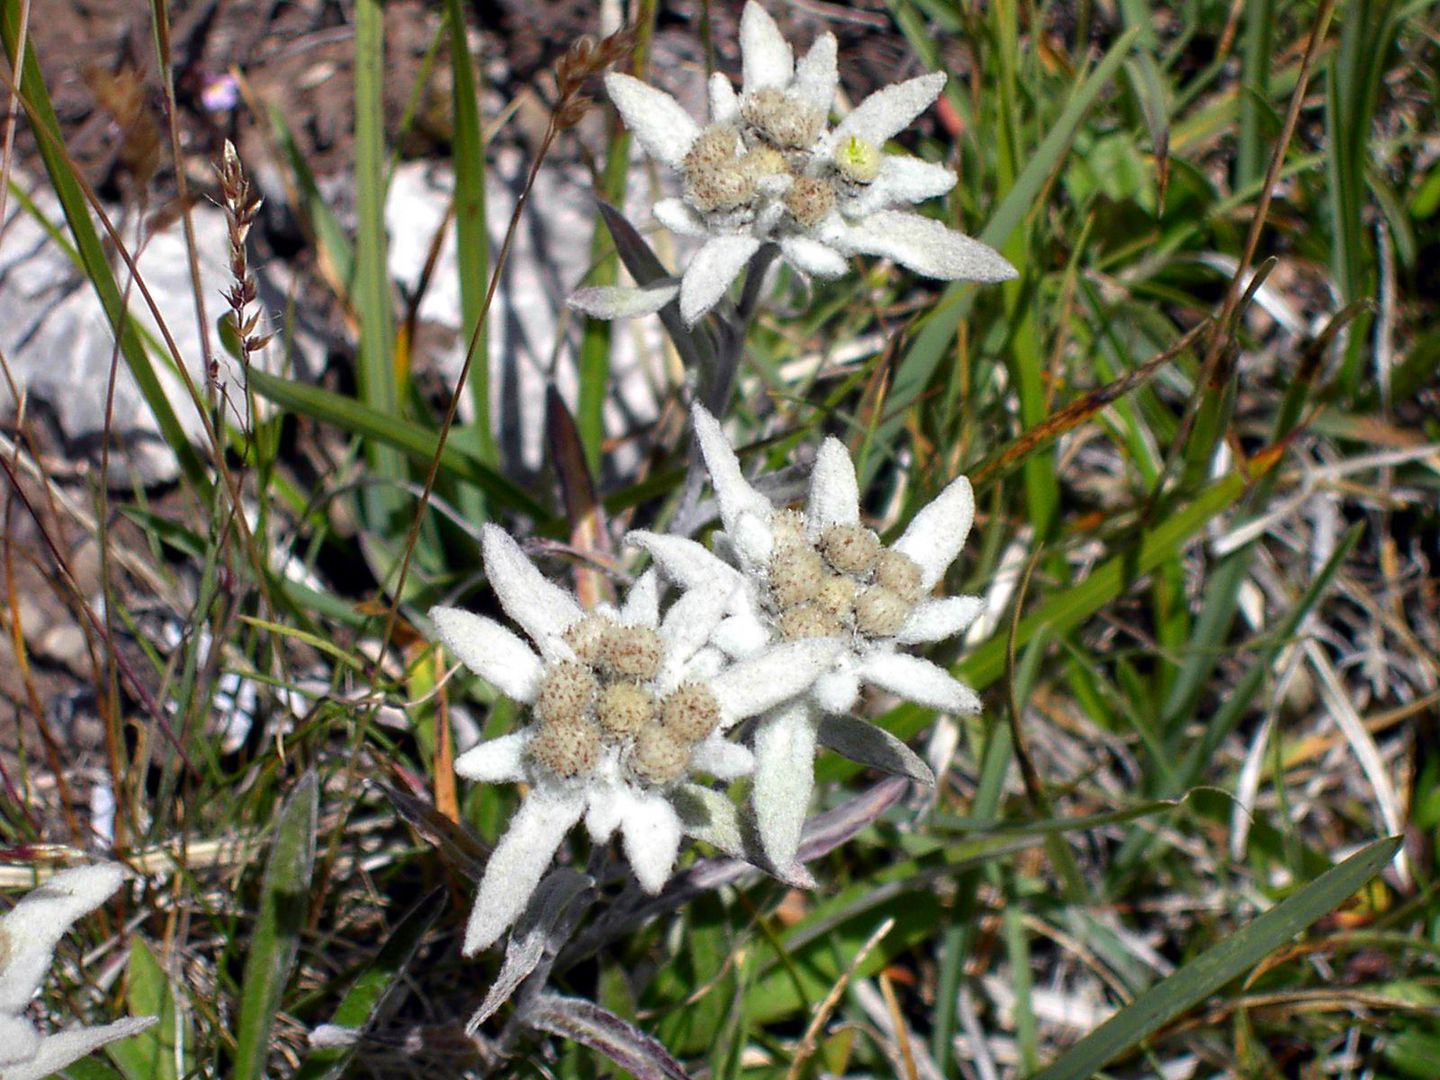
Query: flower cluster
pixel 820 575
pixel 626 707
pixel 29 933
pixel 769 169
pixel 634 722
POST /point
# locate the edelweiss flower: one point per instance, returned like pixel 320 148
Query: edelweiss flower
pixel 29 933
pixel 821 575
pixel 626 707
pixel 769 169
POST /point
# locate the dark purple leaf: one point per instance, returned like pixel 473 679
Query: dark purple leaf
pixel 532 937
pixel 459 846
pixel 619 1040
pixel 874 747
pixel 694 345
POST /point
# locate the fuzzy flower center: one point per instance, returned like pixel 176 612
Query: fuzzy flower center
pixel 605 702
pixel 734 172
pixel 778 119
pixel 846 584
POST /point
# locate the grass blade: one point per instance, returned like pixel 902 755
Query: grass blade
pixel 404 436
pixel 595 343
pixel 1352 92
pixel 1255 111
pixel 1070 608
pixel 1235 955
pixel 71 194
pixel 376 374
pixel 284 896
pixel 333 248
pixel 933 342
pixel 471 235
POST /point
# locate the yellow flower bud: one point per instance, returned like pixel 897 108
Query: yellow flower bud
pixel 857 161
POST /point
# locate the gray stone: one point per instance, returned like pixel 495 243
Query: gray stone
pixel 63 643
pixel 32 617
pixel 532 338
pixel 61 349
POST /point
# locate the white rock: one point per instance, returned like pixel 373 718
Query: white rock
pixel 550 257
pixel 60 346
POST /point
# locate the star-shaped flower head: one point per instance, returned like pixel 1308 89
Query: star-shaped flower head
pixel 29 933
pixel 821 575
pixel 768 168
pixel 626 706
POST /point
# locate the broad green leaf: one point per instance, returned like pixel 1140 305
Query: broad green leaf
pixel 284 903
pixel 350 415
pixel 92 1068
pixel 152 1054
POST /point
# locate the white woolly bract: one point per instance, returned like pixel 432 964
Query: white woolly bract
pixel 29 933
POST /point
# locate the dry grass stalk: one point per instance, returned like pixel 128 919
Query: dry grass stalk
pixel 241 207
pixel 586 58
